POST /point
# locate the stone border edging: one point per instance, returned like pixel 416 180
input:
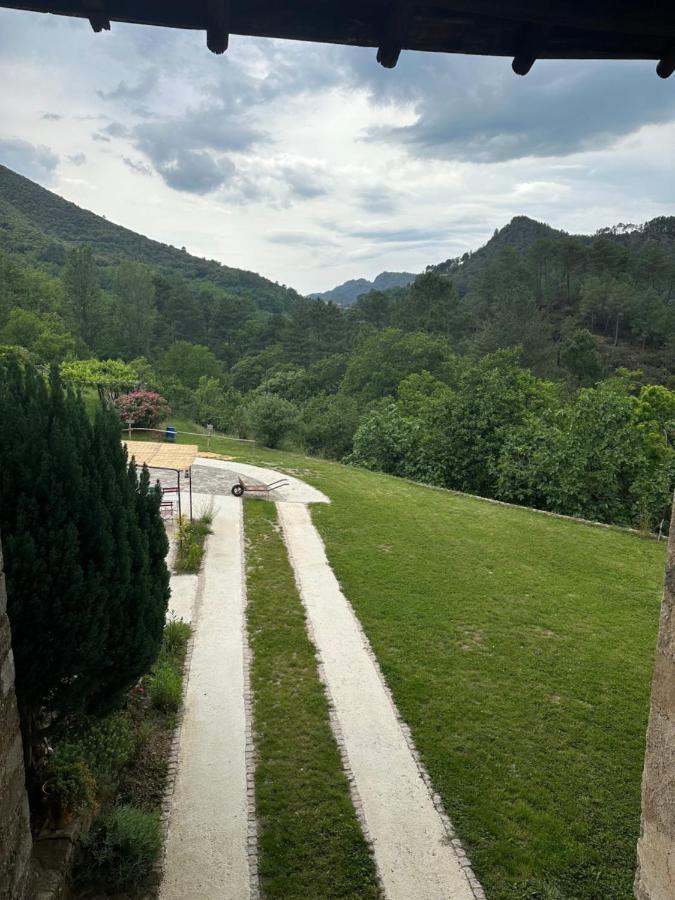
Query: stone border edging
pixel 250 751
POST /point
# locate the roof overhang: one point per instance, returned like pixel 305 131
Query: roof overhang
pixel 523 29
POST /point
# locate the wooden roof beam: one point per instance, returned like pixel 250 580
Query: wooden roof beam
pixel 95 12
pixel 218 25
pixel 666 65
pixel 395 29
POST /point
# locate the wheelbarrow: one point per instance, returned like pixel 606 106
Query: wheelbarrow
pixel 241 488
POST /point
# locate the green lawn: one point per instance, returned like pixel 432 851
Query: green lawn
pixel 311 845
pixel 519 648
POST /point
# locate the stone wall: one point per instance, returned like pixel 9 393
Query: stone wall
pixel 655 879
pixel 15 837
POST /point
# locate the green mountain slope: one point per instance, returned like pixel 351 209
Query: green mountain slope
pixel 39 226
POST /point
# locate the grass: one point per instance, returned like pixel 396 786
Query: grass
pixel 311 845
pixel 519 648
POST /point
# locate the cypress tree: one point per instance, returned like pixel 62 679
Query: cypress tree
pixel 84 549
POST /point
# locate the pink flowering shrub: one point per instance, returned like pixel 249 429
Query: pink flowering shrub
pixel 146 409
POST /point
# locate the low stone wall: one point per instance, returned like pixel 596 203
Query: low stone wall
pixel 655 879
pixel 15 837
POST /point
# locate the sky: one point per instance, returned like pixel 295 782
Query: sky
pixel 310 163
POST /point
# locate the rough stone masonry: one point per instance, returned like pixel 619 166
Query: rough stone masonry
pixel 655 879
pixel 15 837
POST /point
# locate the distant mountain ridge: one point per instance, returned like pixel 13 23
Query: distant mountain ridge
pixel 40 226
pixel 348 293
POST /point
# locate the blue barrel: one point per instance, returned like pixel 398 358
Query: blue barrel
pixel 170 434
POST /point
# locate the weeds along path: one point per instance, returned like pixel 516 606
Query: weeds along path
pixel 415 850
pixel 207 843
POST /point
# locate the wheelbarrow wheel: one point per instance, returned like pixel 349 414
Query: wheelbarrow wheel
pixel 237 490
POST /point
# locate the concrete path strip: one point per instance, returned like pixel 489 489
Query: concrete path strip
pixel 207 843
pixel 413 852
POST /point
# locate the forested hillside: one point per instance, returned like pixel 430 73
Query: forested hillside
pixel 539 369
pixel 40 226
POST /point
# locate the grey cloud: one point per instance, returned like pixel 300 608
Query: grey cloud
pixel 77 159
pixel 138 91
pixel 115 129
pixel 37 163
pixel 302 238
pixel 305 181
pixel 189 151
pixel 195 171
pixel 136 165
pixel 401 235
pixel 477 110
pixel 101 138
pixel 52 116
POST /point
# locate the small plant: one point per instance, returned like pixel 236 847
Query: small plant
pixel 122 847
pixel 176 636
pixel 165 687
pixel 191 538
pixel 107 746
pixel 69 785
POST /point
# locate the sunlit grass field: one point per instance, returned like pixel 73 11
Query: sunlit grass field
pixel 519 648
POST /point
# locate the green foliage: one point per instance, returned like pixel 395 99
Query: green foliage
pixel 271 418
pixel 111 377
pixel 328 424
pixel 122 847
pixel 190 541
pixel 84 548
pixel 106 746
pixel 165 687
pixel 188 363
pixel 67 782
pixel 176 636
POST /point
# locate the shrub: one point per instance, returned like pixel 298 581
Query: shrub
pixel 165 686
pixel 68 784
pixel 107 746
pixel 146 409
pixel 271 418
pixel 122 847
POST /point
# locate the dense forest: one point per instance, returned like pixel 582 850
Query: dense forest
pixel 538 369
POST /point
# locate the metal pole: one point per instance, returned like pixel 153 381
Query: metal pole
pixel 179 506
pixel 189 471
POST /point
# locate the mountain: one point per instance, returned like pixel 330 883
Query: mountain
pixel 40 226
pixel 348 293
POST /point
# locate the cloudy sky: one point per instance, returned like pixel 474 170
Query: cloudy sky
pixel 311 164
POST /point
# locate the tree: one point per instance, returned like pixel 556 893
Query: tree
pixel 134 311
pixel 328 425
pixel 187 363
pixel 271 418
pixel 83 307
pixel 84 548
pixel 45 336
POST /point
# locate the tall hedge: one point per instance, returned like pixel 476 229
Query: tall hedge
pixel 84 549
